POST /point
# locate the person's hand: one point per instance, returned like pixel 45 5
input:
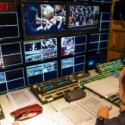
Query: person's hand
pixel 122 107
pixel 104 112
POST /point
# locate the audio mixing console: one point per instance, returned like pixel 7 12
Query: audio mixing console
pixel 113 98
pixel 54 89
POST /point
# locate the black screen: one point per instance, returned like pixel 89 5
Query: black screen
pixel 9 27
pixel 10 54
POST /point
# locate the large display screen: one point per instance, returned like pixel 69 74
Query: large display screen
pixel 9 27
pixel 43 18
pixel 83 17
pixel 42 49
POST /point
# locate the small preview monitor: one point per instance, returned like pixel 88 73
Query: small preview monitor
pixel 9 27
pixel 83 17
pixel 12 80
pixel 73 45
pixel 98 41
pixel 41 72
pixel 10 54
pixel 41 49
pixel 72 65
pixel 105 21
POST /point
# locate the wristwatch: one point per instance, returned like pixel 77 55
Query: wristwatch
pixel 100 119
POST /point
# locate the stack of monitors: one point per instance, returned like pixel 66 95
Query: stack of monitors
pixel 39 51
pixel 54 57
pixel 53 41
pixel 11 60
pixel 12 73
pixel 98 41
pixel 73 57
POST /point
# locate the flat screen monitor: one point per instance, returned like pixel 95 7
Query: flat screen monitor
pixel 12 80
pixel 73 65
pixel 73 45
pixel 41 49
pixel 102 1
pixel 83 17
pixel 96 57
pixel 10 54
pixel 105 21
pixel 98 41
pixel 9 26
pixel 42 72
pixel 119 10
pixel 40 18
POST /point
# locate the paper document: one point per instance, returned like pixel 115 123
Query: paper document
pixel 76 115
pixel 21 98
pixel 105 87
pixel 92 104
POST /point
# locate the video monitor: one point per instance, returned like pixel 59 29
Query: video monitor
pixel 102 1
pixel 9 27
pixel 105 21
pixel 98 41
pixel 41 18
pixel 73 45
pixel 119 10
pixel 84 17
pixel 10 54
pixel 96 57
pixel 41 72
pixel 73 65
pixel 41 49
pixel 11 80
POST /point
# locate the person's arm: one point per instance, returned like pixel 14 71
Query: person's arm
pixel 103 114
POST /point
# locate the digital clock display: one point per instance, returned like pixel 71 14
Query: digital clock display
pixel 4 6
